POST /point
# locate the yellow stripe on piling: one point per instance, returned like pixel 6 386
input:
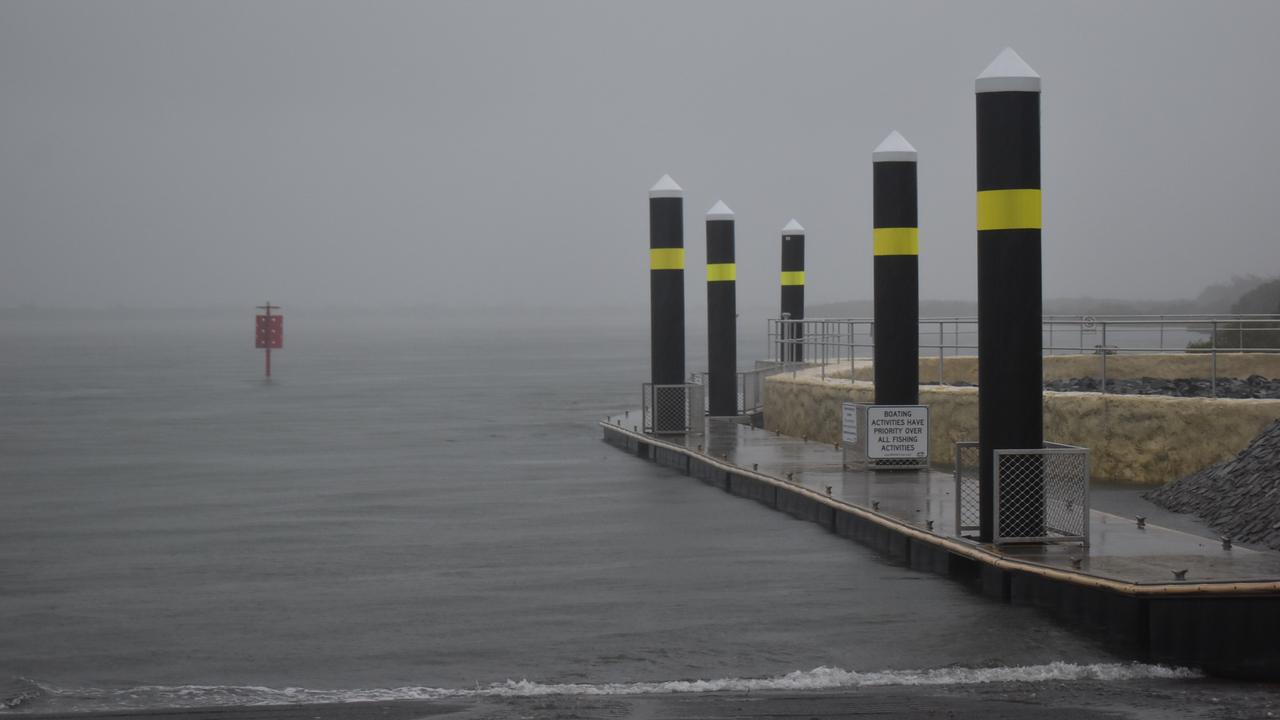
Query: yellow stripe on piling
pixel 896 241
pixel 666 258
pixel 720 272
pixel 1009 210
pixel 793 277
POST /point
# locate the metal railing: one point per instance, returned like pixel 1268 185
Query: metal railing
pixel 1041 495
pixel 835 342
pixel 750 386
pixel 673 409
pixel 818 342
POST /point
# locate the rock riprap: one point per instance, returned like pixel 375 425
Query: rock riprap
pixel 1254 386
pixel 1240 497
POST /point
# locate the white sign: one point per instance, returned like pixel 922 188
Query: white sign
pixel 849 424
pixel 897 431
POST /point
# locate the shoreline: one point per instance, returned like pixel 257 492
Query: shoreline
pixel 1069 700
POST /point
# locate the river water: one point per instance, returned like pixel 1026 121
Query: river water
pixel 418 505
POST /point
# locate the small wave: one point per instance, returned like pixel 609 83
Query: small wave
pixel 19 692
pixel 821 678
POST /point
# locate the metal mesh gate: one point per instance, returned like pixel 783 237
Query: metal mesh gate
pixel 671 409
pixel 1038 495
pixel 1041 495
pixel 968 507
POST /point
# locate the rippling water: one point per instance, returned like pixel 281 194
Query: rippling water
pixel 413 502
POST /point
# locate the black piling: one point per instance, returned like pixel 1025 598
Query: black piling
pixel 896 246
pixel 792 333
pixel 722 313
pixel 1010 380
pixel 666 298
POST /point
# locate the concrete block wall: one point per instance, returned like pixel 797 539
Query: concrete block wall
pixel 1135 439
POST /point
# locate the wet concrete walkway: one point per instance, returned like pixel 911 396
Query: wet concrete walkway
pixel 1119 550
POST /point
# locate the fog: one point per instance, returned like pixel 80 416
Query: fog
pixel 464 154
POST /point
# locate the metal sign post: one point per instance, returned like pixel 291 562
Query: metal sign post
pixel 269 332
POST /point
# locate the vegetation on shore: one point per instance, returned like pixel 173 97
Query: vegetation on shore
pixel 1244 291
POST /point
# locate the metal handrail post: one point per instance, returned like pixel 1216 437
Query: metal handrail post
pixel 1104 358
pixel 850 342
pixel 828 348
pixel 1213 362
pixel 784 335
pixel 839 342
pixel 941 352
pixel 853 350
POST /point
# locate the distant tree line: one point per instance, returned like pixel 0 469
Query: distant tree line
pixel 1261 300
pixel 1242 294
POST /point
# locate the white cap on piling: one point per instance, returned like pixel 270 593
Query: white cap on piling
pixel 719 211
pixel 793 228
pixel 894 148
pixel 665 188
pixel 1008 73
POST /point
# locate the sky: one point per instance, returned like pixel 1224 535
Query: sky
pixel 455 154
